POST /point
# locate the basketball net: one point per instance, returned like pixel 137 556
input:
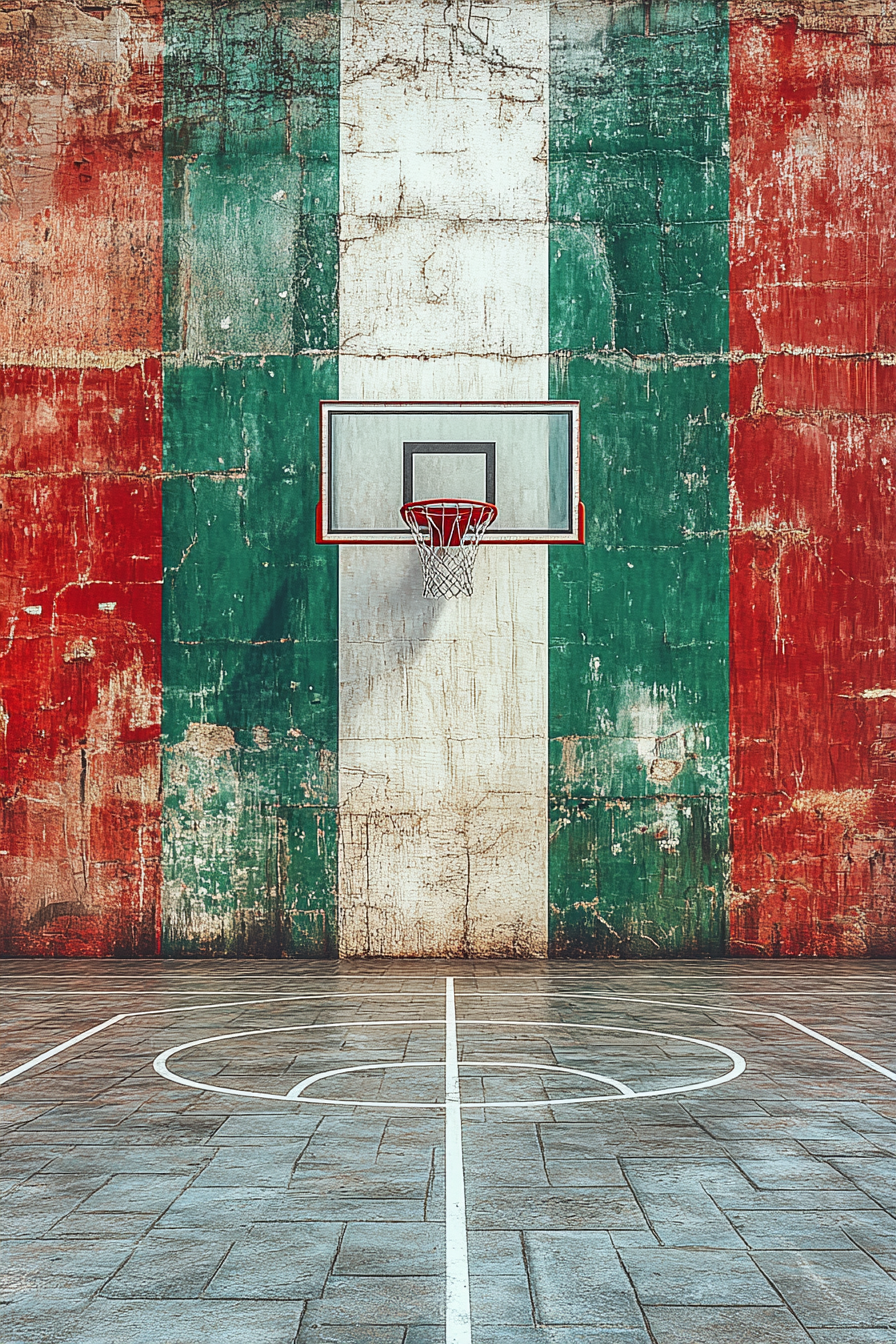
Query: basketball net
pixel 448 533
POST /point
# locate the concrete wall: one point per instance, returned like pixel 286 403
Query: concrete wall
pixel 675 740
pixel 443 293
pixel 80 457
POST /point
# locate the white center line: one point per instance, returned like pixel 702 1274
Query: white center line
pixel 457 1266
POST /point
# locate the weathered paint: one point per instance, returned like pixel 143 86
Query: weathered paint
pixel 443 294
pixel 444 256
pixel 638 618
pixel 250 322
pixel 80 560
pixel 79 228
pixel 813 334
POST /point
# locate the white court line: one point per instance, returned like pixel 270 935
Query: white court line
pixel 704 1007
pixel 835 1045
pixel 160 1064
pixel 301 1088
pixel 58 1049
pixel 478 993
pixel 457 1264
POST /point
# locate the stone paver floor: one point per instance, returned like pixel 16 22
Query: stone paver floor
pixel 138 1208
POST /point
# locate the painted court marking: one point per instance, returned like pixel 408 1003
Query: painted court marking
pixel 160 1064
pixel 457 1261
pixel 457 1277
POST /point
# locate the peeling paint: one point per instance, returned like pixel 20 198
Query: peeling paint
pixel 638 666
pixel 870 20
pixel 206 740
pixel 250 321
pixel 813 280
pixel 652 278
pixel 443 291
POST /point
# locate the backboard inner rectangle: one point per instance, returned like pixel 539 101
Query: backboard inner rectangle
pixel 449 471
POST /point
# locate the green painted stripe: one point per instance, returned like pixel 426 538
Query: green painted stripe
pixel 250 636
pixel 639 616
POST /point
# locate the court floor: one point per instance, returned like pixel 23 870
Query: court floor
pixel 448 1153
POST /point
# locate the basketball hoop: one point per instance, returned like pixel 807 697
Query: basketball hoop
pixel 448 533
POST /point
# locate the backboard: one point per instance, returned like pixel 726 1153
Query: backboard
pixel 523 457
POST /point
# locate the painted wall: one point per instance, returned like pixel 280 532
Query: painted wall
pixel 639 619
pixel 443 292
pixel 80 455
pixel 251 322
pixel 676 740
pixel 813 336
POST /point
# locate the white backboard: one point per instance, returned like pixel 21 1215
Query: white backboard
pixel 523 457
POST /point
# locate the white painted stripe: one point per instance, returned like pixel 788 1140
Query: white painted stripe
pixel 443 295
pixel 58 1049
pixel 457 1265
pixel 843 1049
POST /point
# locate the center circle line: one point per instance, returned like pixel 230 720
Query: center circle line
pixel 622 1088
pixel 160 1065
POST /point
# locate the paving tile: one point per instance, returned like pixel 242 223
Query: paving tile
pixel 803 1198
pixel 725 1325
pixel 845 1145
pixel 278 1260
pixel 388 1301
pixel 552 1334
pixel 498 1171
pixel 575 1140
pixel 344 1179
pixel 645 1238
pixel 392 1248
pixel 781 1173
pixel 875 1175
pixel 832 1288
pixel 169 1264
pixel 208 1207
pixel 599 1172
pixel 38 1322
pixel 173 1322
pixel 500 1300
pixel 556 1210
pixel 496 1253
pixel 117 1160
pixel 259 1168
pixel 873 1336
pixel 803 1127
pixel 135 1193
pixel 815 1230
pixel 354 1334
pixel 29 1211
pixel 697 1278
pixel 680 1211
pixel 249 1127
pixel 694 1222
pixel 98 1225
pixel 47 1258
pixel 665 1177
pixel 578 1280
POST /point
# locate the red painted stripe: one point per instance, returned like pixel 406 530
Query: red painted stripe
pixel 80 234
pixel 813 546
pixel 80 463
